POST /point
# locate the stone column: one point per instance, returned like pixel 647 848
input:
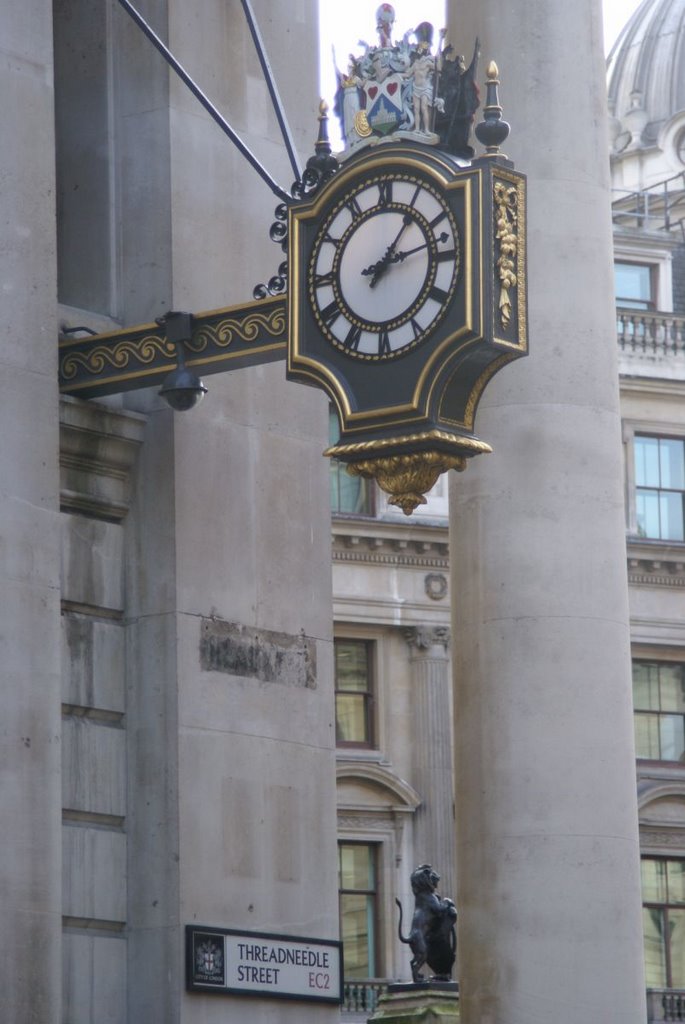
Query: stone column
pixel 547 839
pixel 432 751
pixel 548 848
pixel 30 797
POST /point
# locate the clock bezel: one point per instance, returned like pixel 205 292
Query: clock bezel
pixel 371 180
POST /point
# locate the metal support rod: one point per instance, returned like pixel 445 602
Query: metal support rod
pixel 271 86
pixel 206 103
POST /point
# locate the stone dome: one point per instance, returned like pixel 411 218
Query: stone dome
pixel 646 73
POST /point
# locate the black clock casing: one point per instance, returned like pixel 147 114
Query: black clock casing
pixel 406 292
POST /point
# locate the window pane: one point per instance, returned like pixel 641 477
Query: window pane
pixel 357 866
pixel 357 871
pixel 349 494
pixel 647 461
pixel 672 737
pixel 352 665
pixel 647 737
pixel 357 934
pixel 653 880
pixel 655 947
pixel 676 881
pixel 676 927
pixel 647 512
pixel 353 691
pixel 671 516
pixel 633 285
pixel 672 680
pixel 672 463
pixel 646 687
pixel 351 720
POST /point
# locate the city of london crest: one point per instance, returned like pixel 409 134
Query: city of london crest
pixel 413 88
pixel 209 960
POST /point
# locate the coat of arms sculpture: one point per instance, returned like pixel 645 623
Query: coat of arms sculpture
pixel 408 90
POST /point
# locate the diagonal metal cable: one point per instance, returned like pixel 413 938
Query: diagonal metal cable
pixel 206 103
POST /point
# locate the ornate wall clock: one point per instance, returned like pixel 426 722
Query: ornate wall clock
pixel 406 294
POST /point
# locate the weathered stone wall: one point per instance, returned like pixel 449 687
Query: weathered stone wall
pixel 30 882
pixel 98 448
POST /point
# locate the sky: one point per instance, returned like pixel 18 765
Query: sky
pixel 344 23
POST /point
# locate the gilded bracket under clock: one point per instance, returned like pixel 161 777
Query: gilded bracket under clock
pixel 407 477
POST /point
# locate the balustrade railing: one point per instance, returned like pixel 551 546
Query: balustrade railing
pixel 650 334
pixel 665 1005
pixel 361 995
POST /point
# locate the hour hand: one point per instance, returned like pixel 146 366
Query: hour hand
pixel 376 270
pixel 380 267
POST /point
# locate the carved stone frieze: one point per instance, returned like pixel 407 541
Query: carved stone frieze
pixel 655 838
pixel 377 543
pixel 665 571
pixel 364 822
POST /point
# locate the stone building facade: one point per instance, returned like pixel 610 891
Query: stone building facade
pixel 147 786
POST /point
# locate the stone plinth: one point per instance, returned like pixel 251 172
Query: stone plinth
pixel 433 1003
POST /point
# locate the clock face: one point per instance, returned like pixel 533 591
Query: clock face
pixel 384 266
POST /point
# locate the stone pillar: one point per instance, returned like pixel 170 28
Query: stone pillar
pixel 432 751
pixel 432 1003
pixel 547 839
pixel 30 797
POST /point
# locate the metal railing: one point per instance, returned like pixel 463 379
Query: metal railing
pixel 660 206
pixel 650 334
pixel 361 995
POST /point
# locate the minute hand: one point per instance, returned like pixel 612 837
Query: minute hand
pixel 397 257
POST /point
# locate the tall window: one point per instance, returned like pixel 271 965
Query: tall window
pixel 659 702
pixel 634 285
pixel 353 693
pixel 358 888
pixel 660 487
pixel 351 495
pixel 663 898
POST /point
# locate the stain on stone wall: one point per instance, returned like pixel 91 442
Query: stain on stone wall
pixel 261 654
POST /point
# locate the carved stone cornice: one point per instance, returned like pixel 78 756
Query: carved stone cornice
pixel 375 542
pixel 97 452
pixel 656 564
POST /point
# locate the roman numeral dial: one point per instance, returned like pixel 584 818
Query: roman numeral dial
pixel 384 265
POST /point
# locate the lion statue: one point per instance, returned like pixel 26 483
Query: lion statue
pixel 433 936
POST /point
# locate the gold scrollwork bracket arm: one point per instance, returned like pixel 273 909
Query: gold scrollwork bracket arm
pixel 137 357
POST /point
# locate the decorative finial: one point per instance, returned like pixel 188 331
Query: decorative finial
pixel 323 162
pixel 492 130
